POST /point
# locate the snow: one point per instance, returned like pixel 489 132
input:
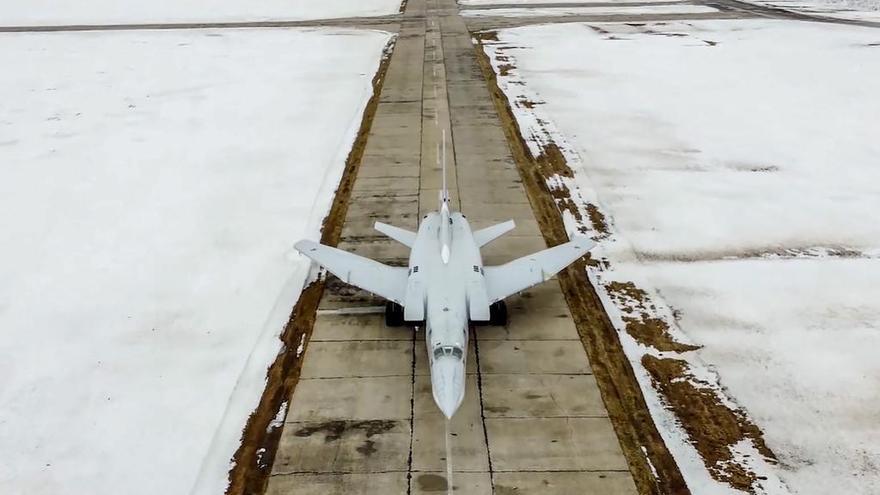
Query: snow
pixel 591 10
pixel 735 162
pixel 864 10
pixel 48 12
pixel 151 187
pixel 300 348
pixel 469 3
pixel 795 340
pixel 278 420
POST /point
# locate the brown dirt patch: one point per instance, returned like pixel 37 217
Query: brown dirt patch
pixel 620 390
pixel 548 164
pixel 552 162
pixel 713 428
pixel 654 332
pixel 597 218
pixel 641 324
pixel 252 462
pixel 486 36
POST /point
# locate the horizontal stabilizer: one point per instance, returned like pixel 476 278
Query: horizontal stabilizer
pixel 402 236
pixel 489 234
pixel 510 278
pixel 380 279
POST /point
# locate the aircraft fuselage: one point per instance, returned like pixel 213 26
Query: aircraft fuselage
pixel 445 281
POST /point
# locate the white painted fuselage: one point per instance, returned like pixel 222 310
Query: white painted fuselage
pixel 445 280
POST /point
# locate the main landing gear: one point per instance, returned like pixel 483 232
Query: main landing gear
pixel 498 314
pixel 394 315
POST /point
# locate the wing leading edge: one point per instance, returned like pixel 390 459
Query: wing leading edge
pixel 380 279
pixel 508 279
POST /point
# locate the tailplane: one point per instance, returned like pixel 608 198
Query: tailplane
pixel 402 236
pixel 489 234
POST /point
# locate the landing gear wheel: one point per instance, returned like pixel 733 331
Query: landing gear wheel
pixel 393 314
pixel 498 314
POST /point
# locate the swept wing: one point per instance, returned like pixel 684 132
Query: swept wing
pixel 508 279
pixel 386 281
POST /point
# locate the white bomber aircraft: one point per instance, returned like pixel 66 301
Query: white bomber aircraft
pixel 446 288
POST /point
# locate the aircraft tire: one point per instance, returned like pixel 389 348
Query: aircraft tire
pixel 498 314
pixel 393 314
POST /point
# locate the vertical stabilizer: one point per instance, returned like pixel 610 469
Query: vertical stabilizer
pixel 445 220
pixel 444 191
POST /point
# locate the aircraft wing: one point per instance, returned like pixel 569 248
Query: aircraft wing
pixel 508 279
pixel 380 279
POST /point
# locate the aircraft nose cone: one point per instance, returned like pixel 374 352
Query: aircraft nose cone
pixel 447 382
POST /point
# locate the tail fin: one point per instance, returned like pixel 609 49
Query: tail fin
pixel 445 220
pixel 444 192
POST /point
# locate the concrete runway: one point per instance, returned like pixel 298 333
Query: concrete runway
pixel 362 418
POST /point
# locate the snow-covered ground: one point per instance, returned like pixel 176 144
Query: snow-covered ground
pixel 736 163
pixel 47 12
pixel 863 10
pixel 151 187
pixel 591 10
pixel 475 3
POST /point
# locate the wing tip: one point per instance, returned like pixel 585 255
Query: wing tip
pixel 582 242
pixel 304 245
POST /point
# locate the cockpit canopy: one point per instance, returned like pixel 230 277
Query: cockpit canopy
pixel 448 350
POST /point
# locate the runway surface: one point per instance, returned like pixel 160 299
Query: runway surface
pixel 362 418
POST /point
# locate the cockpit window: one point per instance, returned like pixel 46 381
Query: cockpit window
pixel 448 350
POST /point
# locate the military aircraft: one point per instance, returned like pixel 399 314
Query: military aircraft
pixel 446 289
